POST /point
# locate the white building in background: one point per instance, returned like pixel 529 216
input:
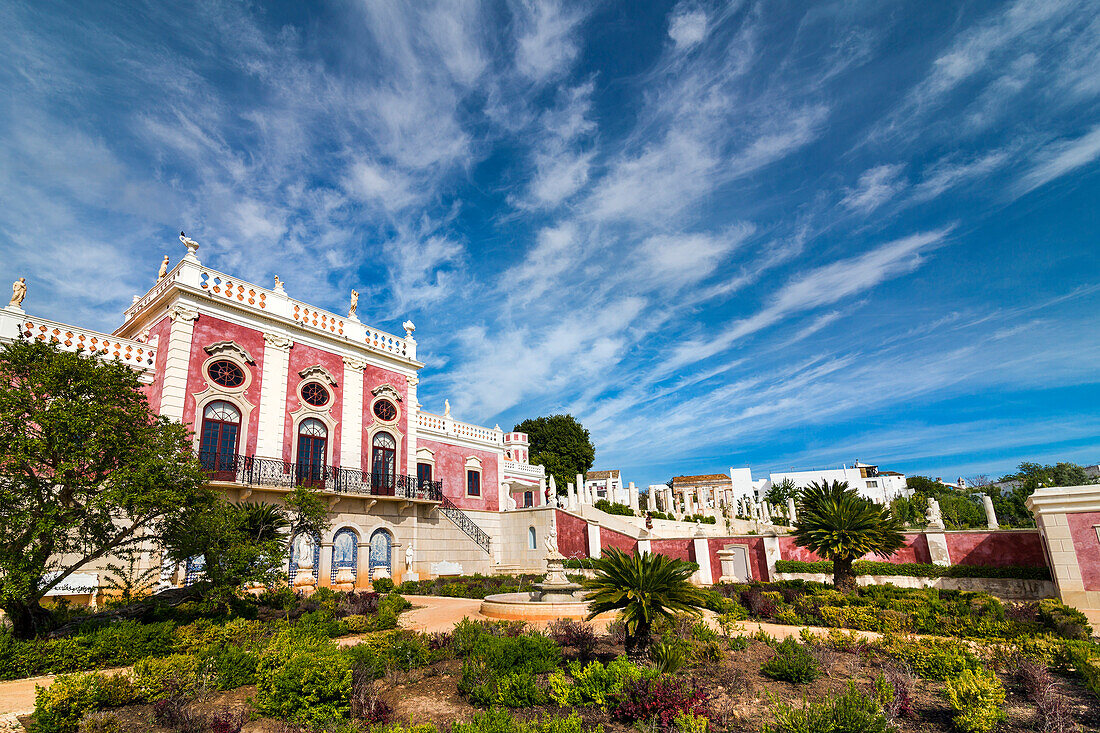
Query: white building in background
pixel 871 482
pixel 606 485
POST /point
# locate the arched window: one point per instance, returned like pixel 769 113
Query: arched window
pixel 532 539
pixel 383 464
pixel 312 437
pixel 221 426
pixel 196 569
pixel 345 549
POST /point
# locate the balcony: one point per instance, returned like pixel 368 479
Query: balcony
pixel 275 473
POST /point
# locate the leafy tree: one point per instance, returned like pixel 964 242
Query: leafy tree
pixel 561 444
pixel 960 508
pixel 86 471
pixel 840 525
pixel 1009 499
pixel 644 587
pixel 779 493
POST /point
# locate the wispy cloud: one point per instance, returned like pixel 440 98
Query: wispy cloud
pixel 876 186
pixel 1060 158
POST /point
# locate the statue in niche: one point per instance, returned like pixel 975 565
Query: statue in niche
pixel 410 556
pixel 18 292
pixel 354 303
pixel 163 269
pixel 304 549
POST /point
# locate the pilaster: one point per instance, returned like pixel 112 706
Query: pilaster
pixel 177 360
pixel 412 423
pixel 269 441
pixel 351 433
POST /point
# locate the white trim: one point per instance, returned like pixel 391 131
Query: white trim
pixel 317 372
pixel 301 415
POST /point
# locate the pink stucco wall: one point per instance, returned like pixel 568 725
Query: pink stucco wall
pixel 678 548
pixel 153 392
pixel 374 377
pixel 611 538
pixel 572 535
pixel 1082 528
pixel 450 468
pixel 301 357
pixel 914 550
pixel 758 561
pixel 210 330
pixel 996 548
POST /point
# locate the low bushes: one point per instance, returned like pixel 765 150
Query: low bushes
pixel 501 670
pixel 918 570
pixel 501 721
pixel 59 708
pixel 978 698
pixel 1065 621
pixel 792 662
pixel 595 683
pixel 156 678
pixel 610 507
pixel 852 712
pixel 658 700
pixel 469 586
pixel 305 680
pixel 934 659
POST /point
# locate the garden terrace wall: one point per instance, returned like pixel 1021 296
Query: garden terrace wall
pixel 915 550
pixel 758 559
pixel 1011 589
pixel 572 535
pixel 996 548
pixel 610 538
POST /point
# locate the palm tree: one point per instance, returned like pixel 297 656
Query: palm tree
pixel 262 521
pixel 840 525
pixel 645 587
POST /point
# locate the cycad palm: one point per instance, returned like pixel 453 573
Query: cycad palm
pixel 262 521
pixel 644 587
pixel 840 525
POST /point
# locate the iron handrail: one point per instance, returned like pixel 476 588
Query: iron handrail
pixel 456 515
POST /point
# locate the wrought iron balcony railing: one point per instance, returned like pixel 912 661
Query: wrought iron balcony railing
pixel 254 471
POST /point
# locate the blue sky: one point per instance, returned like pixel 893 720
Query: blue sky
pixel 763 233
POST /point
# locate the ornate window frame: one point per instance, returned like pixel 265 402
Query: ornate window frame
pixel 473 465
pixel 212 391
pixel 389 393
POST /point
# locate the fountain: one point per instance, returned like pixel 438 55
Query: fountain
pixel 553 598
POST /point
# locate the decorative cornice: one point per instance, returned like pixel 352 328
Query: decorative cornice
pixel 229 347
pixel 278 341
pixel 318 372
pixel 386 390
pixel 412 380
pixel 356 364
pixel 183 313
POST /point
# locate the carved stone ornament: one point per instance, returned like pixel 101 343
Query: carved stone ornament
pixel 319 372
pixel 183 313
pixel 356 364
pixel 412 381
pixel 386 390
pixel 229 347
pixel 278 340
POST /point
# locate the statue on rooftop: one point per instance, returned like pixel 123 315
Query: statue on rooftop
pixel 18 292
pixel 354 303
pixel 446 408
pixel 409 328
pixel 278 283
pixel 191 244
pixel 163 269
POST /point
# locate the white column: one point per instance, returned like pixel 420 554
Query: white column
pixel 702 557
pixel 570 496
pixel 176 361
pixel 607 491
pixel 412 409
pixel 351 418
pixel 593 539
pixel 644 546
pixel 792 515
pixel 990 513
pixel 269 441
pixel 633 493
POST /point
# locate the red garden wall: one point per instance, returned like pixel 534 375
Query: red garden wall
pixel 996 548
pixel 572 535
pixel 1086 545
pixel 610 538
pixel 758 561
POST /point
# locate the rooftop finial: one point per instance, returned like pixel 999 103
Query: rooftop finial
pixel 192 247
pixel 409 327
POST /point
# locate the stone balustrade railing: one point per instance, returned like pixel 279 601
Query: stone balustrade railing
pixel 216 285
pixel 135 353
pixel 444 425
pixel 516 468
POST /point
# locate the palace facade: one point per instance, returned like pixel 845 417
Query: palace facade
pixel 280 393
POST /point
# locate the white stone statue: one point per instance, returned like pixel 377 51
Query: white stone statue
pixel 446 408
pixel 18 292
pixel 410 556
pixel 191 245
pixel 303 546
pixel 354 303
pixel 163 269
pixel 278 284
pixel 933 515
pixel 409 327
pixel 552 537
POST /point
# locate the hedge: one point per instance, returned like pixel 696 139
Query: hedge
pixel 918 570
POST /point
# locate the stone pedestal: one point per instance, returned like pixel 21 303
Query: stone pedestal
pixel 555 587
pixel 937 547
pixel 345 580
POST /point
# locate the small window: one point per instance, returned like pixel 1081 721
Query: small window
pixel 315 394
pixel 532 538
pixel 385 410
pixel 473 483
pixel 872 484
pixel 225 374
pixel 528 499
pixel 423 473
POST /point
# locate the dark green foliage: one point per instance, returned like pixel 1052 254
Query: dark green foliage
pixel 1065 621
pixel 852 712
pixel 59 707
pixel 779 493
pixel 792 663
pixel 614 508
pixel 305 679
pixel 561 444
pixel 501 670
pixel 498 720
pixel 469 586
pixel 87 469
pixel 382 585
pixel 1083 659
pixel 918 570
pixel 645 588
pixel 698 519
pixel 839 525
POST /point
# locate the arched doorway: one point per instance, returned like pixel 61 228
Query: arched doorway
pixel 221 426
pixel 383 464
pixel 381 546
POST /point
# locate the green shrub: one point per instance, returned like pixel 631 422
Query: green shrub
pixel 1065 621
pixel 234 666
pixel 382 585
pixel 401 650
pixel 501 721
pixel 689 723
pixel 595 683
pixel 304 680
pixel 501 670
pixel 614 508
pixel 179 674
pixel 792 663
pixel 60 707
pixel 102 721
pixel 978 698
pixel 358 623
pixel 918 570
pixel 668 658
pixel 852 712
pixel 1083 659
pixel 934 659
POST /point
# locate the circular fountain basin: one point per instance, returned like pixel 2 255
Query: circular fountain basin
pixel 520 607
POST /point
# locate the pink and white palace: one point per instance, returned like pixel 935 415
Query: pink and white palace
pixel 280 393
